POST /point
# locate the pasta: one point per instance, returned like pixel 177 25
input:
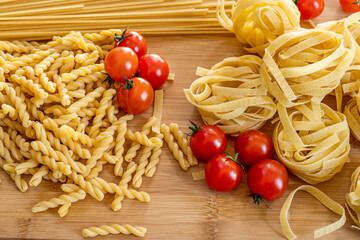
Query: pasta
pixel 114 229
pixel 259 22
pixel 295 71
pixel 325 200
pixel 174 147
pixel 152 17
pixel 352 198
pixel 231 95
pixel 55 202
pixel 312 141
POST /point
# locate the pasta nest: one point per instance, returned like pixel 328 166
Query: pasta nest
pixel 231 95
pixel 303 66
pixel 312 141
pixel 353 197
pixel 259 22
pixel 350 29
pixel 351 112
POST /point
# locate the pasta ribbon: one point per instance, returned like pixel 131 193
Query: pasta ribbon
pixel 304 65
pixel 312 141
pixel 231 95
pixel 259 22
pixel 353 197
pixel 325 200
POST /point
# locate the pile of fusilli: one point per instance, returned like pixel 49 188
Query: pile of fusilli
pixel 60 122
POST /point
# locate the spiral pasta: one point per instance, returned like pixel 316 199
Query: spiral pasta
pixel 312 141
pixel 231 95
pixel 114 229
pixel 174 147
pixel 259 22
pixel 61 200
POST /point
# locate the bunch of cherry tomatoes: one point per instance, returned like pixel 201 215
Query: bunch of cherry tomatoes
pixel 138 72
pixel 267 178
pixel 310 9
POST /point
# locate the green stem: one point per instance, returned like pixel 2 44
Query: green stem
pixel 194 128
pixel 296 2
pixel 258 199
pixel 129 83
pixel 118 38
pixel 356 2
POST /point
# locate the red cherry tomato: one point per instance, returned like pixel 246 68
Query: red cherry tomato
pixel 119 62
pixel 133 40
pixel 222 173
pixel 253 146
pixel 310 9
pixel 136 96
pixel 268 179
pixel 154 68
pixel 350 5
pixel 207 141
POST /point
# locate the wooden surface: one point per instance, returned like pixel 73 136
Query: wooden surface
pixel 181 208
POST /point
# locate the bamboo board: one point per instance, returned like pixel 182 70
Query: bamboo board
pixel 181 208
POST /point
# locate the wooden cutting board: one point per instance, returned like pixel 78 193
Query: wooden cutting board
pixel 180 207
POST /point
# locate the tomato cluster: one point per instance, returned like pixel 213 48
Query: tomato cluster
pixel 138 71
pixel 267 178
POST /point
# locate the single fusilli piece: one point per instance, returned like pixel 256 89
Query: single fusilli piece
pixel 87 186
pixel 143 139
pixel 174 147
pixel 9 110
pixel 154 159
pixel 119 148
pixel 23 167
pixel 140 170
pixel 75 135
pixel 38 176
pixel 50 162
pixel 114 229
pixel 46 63
pixel 61 200
pixel 183 143
pixel 120 190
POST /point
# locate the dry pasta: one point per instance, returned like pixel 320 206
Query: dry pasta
pixel 312 141
pixel 150 17
pixel 114 229
pixel 325 200
pixel 353 197
pixel 259 22
pixel 231 95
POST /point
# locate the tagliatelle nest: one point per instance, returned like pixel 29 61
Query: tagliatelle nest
pixel 353 197
pixel 312 140
pixel 259 22
pixel 303 66
pixel 231 95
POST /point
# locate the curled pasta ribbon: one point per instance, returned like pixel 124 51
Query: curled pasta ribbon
pixel 325 200
pixel 353 197
pixel 351 112
pixel 312 141
pixel 114 229
pixel 259 22
pixel 231 95
pixel 304 65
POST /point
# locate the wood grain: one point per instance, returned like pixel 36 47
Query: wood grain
pixel 181 208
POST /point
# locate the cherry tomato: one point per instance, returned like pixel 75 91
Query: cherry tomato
pixel 268 179
pixel 207 141
pixel 253 146
pixel 133 40
pixel 154 68
pixel 310 9
pixel 350 5
pixel 222 173
pixel 121 61
pixel 136 96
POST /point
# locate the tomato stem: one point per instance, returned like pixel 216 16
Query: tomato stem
pixel 129 83
pixel 258 198
pixel 235 160
pixel 194 128
pixel 296 2
pixel 108 79
pixel 356 2
pixel 119 38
